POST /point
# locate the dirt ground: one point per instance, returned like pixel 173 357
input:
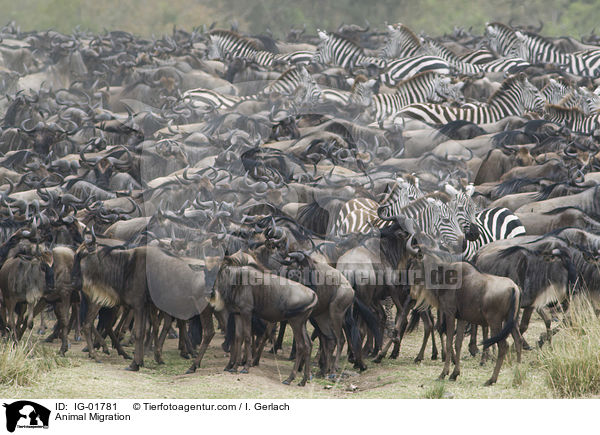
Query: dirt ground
pixel 400 378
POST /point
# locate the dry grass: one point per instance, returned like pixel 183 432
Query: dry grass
pixel 23 363
pixel 400 378
pixel 572 363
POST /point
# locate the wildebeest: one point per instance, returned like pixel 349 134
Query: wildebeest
pixel 245 287
pixel 469 297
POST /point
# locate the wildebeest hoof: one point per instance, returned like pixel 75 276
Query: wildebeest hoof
pixel 244 371
pixel 378 359
pixel 184 355
pixel 191 370
pixel 126 356
pixel 49 339
pixel 106 351
pixel 132 368
pixel 418 360
pixel 434 356
pixel 473 350
pixel 85 349
pixel 489 382
pixel 394 355
pixel 302 383
pixel 526 345
pixel 77 338
pixel 231 370
pixel 287 382
pixel 453 376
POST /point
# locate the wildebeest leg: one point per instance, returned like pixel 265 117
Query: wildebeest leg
pixel 434 351
pixel 87 327
pixel 235 348
pixel 10 318
pixel 139 322
pixel 185 346
pixel 473 342
pixel 450 320
pixel 485 354
pixel 280 336
pixel 62 309
pixel 327 343
pixel 208 332
pixel 516 335
pixel 427 328
pixel 502 349
pixel 460 332
pixel 99 341
pixel 547 318
pixel 303 352
pixel 527 311
pixel 246 319
pixel 399 330
pixel 158 346
pixel 336 316
pixel 124 323
pixel 43 327
pixel 261 343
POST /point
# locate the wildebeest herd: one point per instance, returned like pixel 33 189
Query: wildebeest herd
pixel 360 180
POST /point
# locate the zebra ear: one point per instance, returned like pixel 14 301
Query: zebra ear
pixel 390 28
pixel 450 190
pixel 470 189
pixel 350 81
pixel 323 36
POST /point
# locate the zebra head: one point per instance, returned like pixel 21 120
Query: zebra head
pixel 445 90
pixel 312 89
pixel 362 92
pixel 531 98
pixel 401 194
pixel 465 210
pixel 214 49
pixel 322 54
pixel 440 222
pixel 402 42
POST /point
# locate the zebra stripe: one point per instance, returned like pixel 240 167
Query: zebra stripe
pixel 339 51
pixel 402 69
pixel 494 224
pixel 515 97
pixel 573 118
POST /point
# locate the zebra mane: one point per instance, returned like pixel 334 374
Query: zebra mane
pixel 430 198
pixel 555 109
pixel 343 38
pixel 234 35
pixel 407 34
pixel 506 85
pixel 423 76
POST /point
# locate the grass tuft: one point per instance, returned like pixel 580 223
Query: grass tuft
pixel 22 363
pixel 572 362
pixel 519 375
pixel 436 391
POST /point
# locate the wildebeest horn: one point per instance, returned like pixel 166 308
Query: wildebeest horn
pixel 409 247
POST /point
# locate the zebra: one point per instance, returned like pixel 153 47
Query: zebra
pixel 515 97
pixel 402 42
pixel 482 227
pixel 224 44
pixel 334 49
pixel 360 215
pixel 573 118
pixel 424 87
pixel 402 69
pixel 487 62
pixel 287 84
pixel 535 49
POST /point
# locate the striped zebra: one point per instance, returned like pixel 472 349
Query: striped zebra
pixel 287 84
pixel 421 88
pixel 361 215
pixel 559 94
pixel 515 97
pixel 536 49
pixel 402 69
pixel 401 42
pixel 573 118
pixel 482 227
pixel 424 87
pixel 334 49
pixel 488 62
pixel 430 213
pixel 434 48
pixel 224 44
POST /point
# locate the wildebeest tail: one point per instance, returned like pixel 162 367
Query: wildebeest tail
pixel 415 316
pixel 352 330
pixel 510 322
pixel 303 308
pixel 371 320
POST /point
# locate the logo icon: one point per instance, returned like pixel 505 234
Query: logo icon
pixel 26 414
